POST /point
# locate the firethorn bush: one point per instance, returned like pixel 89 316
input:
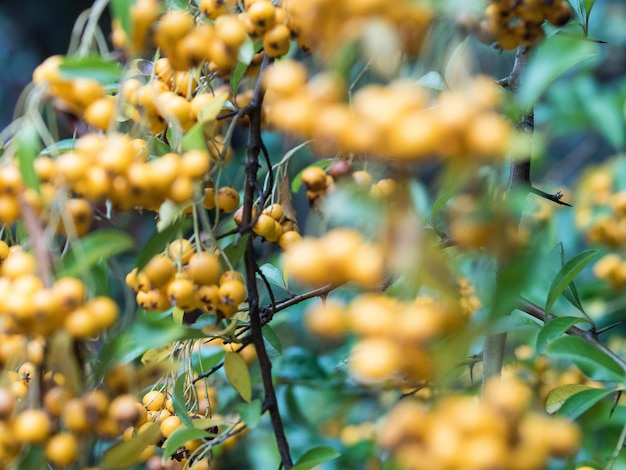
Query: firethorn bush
pixel 303 233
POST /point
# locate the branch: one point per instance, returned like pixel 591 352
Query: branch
pixel 589 336
pixel 255 145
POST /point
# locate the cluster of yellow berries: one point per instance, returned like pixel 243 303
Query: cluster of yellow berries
pixel 83 97
pixel 29 307
pixel 340 256
pixel 188 280
pixel 323 25
pixel 116 168
pixel 601 212
pixel 272 225
pixel 501 431
pixel 397 121
pixel 318 182
pixel 484 225
pixel 393 335
pixel 512 23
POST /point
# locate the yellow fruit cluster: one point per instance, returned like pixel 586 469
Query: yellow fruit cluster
pixel 188 280
pixel 340 256
pixel 28 307
pixel 83 97
pixel 317 182
pixel 273 225
pixel 116 168
pixel 612 269
pixel 393 335
pixel 501 431
pixel 512 23
pixel 396 121
pixel 63 422
pixel 323 25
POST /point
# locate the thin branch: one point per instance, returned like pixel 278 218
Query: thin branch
pixel 255 145
pixel 589 336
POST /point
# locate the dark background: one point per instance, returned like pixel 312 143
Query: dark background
pixel 30 31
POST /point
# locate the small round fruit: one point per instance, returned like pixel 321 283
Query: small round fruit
pixel 204 268
pixel 104 312
pixel 62 449
pixel 227 199
pixel 314 178
pixel 31 426
pixel 232 292
pixel 153 400
pixel 182 293
pixel 169 425
pixel 180 250
pixel 7 403
pixel 122 409
pixel 288 238
pixel 159 270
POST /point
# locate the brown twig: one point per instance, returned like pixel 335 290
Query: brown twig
pixel 255 146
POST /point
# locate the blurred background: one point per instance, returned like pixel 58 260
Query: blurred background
pixel 30 31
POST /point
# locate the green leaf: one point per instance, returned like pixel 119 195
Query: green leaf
pixel 593 362
pixel 235 248
pixel 250 413
pixel 273 275
pixel 194 138
pixel 34 458
pixel 316 456
pixel 554 329
pixel 178 400
pixel 272 338
pixel 28 147
pixel 237 372
pixel 120 10
pixel 439 204
pixel 125 454
pixel 433 80
pixel 94 67
pixel 87 251
pixel 557 54
pixel 157 242
pixel 572 400
pixel 202 363
pixel 567 274
pixel 180 437
pixel 456 68
pixel 59 147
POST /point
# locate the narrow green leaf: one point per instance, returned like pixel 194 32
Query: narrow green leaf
pixel 157 242
pixel 59 147
pixel 555 328
pixel 580 402
pixel 567 274
pixel 439 204
pixel 125 454
pixel 557 54
pixel 433 80
pixel 203 363
pixel 559 395
pixel 28 147
pixel 273 275
pixel 211 110
pixel 237 372
pixel 316 456
pixel 94 67
pixel 194 138
pixel 456 67
pixel 592 362
pixel 178 400
pixel 272 338
pixel 177 315
pixel 180 437
pixel 250 413
pixel 87 251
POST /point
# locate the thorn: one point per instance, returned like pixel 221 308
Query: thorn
pixel 618 395
pixel 550 197
pixel 607 328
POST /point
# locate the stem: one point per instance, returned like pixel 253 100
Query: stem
pixel 255 145
pixel 519 180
